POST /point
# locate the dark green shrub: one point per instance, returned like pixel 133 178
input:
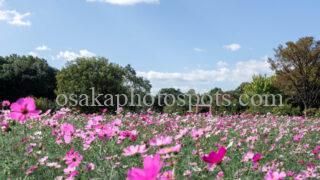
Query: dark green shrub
pixel 259 110
pixel 45 104
pixel 317 113
pixel 311 112
pixel 175 109
pixel 286 109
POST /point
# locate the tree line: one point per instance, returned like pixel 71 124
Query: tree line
pixel 296 67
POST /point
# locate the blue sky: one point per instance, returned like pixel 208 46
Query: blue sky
pixel 185 44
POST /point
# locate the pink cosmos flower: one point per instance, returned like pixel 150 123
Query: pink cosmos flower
pixel 4 125
pixel 119 110
pixel 196 134
pixel 172 149
pixel 311 171
pixel 275 175
pixel 290 173
pixel 116 122
pixel 181 133
pixel 60 114
pixel 70 173
pixel 248 156
pixel 31 169
pixel 145 117
pixel 67 131
pixel 168 175
pixel 134 149
pixel 220 175
pixel 90 167
pixel 5 103
pixel 88 138
pixel 160 141
pixel 106 131
pixel 94 121
pixel 30 147
pixel 73 158
pixel 24 109
pixel 316 150
pixel 150 171
pixel 298 137
pixel 252 139
pixel 43 160
pixel 104 110
pixel 130 134
pixel 215 157
pixel 256 158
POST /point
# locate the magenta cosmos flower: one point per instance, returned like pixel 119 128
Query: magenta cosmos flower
pixel 316 150
pixel 150 171
pixel 256 158
pixel 73 158
pixel 24 109
pixel 215 157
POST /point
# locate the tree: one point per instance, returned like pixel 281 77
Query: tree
pixel 165 96
pixel 138 85
pixel 261 85
pixel 236 107
pixel 264 87
pixel 22 76
pixel 297 66
pixel 83 75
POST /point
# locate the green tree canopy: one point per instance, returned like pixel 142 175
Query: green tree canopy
pixel 261 85
pixel 22 76
pixel 83 74
pixel 159 102
pixel 264 87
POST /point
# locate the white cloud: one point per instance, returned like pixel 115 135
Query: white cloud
pixel 15 18
pixel 33 54
pixel 201 78
pixel 232 47
pixel 126 2
pixel 42 48
pixel 69 55
pixel 222 63
pixel 86 53
pixel 199 50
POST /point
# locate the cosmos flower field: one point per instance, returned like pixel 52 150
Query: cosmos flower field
pixel 69 145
